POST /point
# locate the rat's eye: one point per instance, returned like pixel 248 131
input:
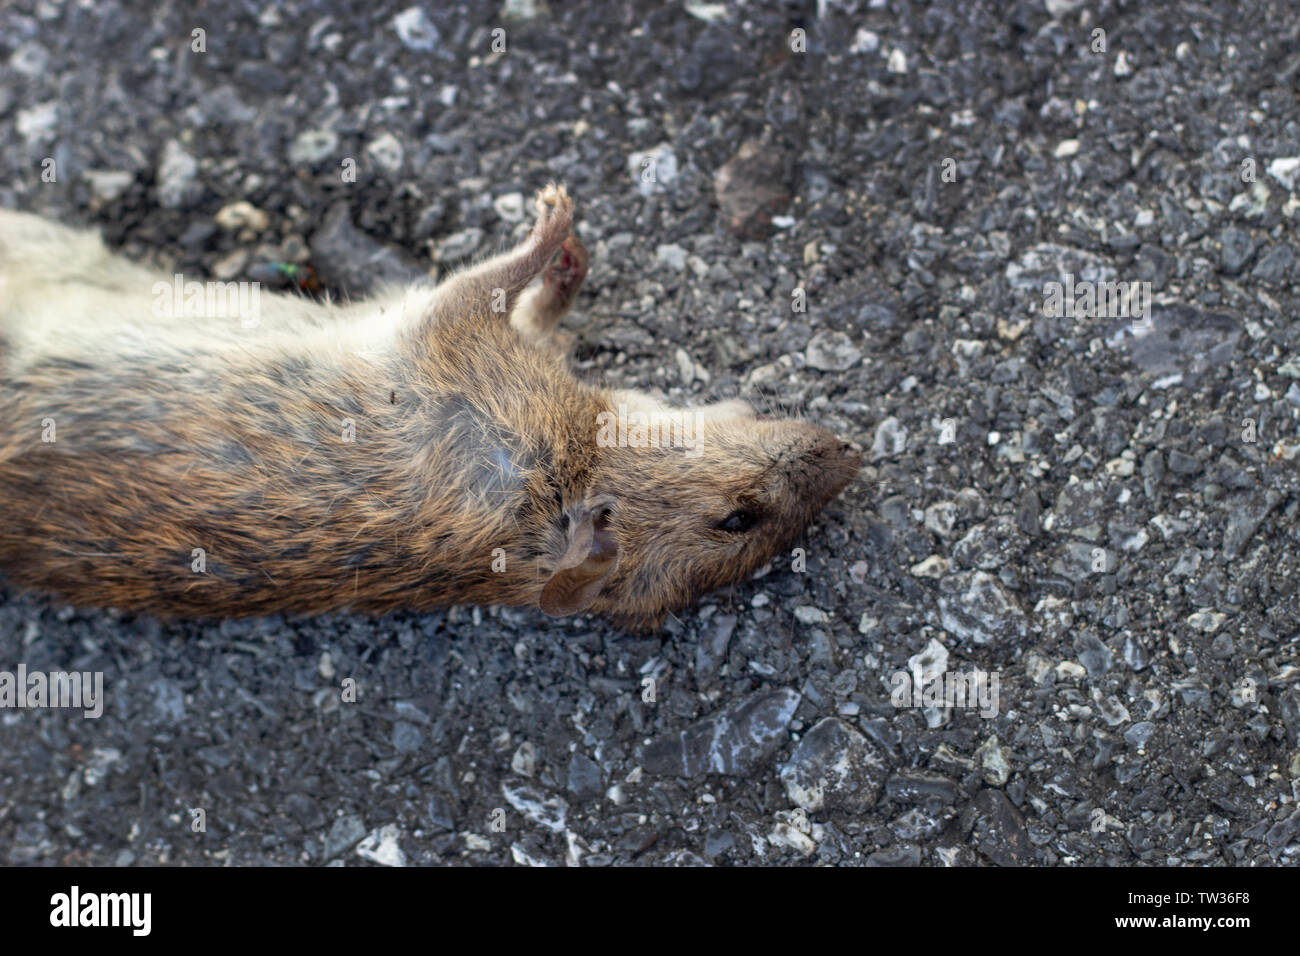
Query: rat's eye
pixel 742 519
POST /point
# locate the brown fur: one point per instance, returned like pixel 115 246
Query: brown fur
pixel 174 435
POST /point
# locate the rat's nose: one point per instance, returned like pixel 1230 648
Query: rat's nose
pixel 848 462
pixel 836 463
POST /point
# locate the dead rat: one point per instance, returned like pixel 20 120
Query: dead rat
pixel 207 449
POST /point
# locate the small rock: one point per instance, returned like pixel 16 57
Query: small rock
pixel 711 648
pixel 313 146
pixel 440 813
pixel 1243 522
pixel 997 829
pixel 751 188
pixel 1235 249
pixel 1135 654
pixel 242 215
pixel 386 152
pixel 1111 709
pixel 1093 654
pixel 177 175
pixel 38 123
pixel 1069 670
pixel 990 545
pixel 29 59
pixel 941 518
pixel 305 810
pixel 832 352
pixel 510 207
pixel 1206 621
pixel 811 615
pixel 689 369
pixel 735 741
pixel 524 858
pixel 547 812
pixel 1288 449
pixel 890 440
pixel 933 567
pixel 708 12
pixel 1057 9
pixel 416 31
pixel 1284 831
pixel 585 777
pixel 231 266
pixel 1286 170
pixel 994 761
pixel 381 846
pixel 672 255
pixel 865 41
pixel 107 185
pixel 345 832
pixel 524 759
pixel 784 835
pixel 407 738
pixel 524 10
pixel 1182 463
pixel 1275 266
pixel 929 665
pixel 973 606
pixel 834 768
pixel 458 245
pixel 1139 734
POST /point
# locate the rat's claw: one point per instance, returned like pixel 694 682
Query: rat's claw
pixel 551 196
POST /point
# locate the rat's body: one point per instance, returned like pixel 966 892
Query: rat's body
pixel 418 449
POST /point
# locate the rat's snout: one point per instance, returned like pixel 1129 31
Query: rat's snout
pixel 831 464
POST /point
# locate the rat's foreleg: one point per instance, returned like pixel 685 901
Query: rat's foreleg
pixel 494 286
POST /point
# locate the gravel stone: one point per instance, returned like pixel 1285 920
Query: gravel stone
pixel 736 741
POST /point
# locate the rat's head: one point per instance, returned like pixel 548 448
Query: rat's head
pixel 682 502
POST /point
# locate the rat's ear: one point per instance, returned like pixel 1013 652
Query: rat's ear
pixel 587 562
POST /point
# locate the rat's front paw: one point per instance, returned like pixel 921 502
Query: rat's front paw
pixel 554 216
